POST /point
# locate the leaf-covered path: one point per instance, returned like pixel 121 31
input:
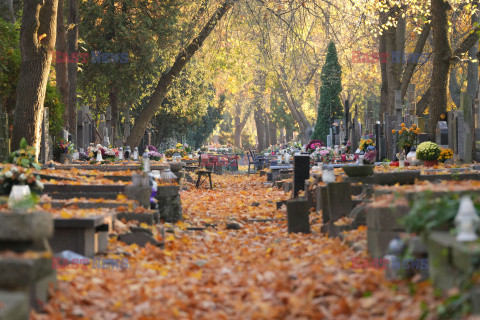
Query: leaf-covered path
pixel 256 272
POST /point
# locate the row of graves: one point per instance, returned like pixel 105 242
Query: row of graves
pixel 458 131
pixel 63 215
pixel 420 221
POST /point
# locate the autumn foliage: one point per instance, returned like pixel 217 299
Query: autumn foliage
pixel 256 272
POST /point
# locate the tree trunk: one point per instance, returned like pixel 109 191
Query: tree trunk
pixel 464 46
pixel 382 48
pixel 6 11
pixel 37 43
pixel 288 135
pixel 259 116
pixel 395 42
pixel 72 67
pixel 273 132
pixel 454 88
pixel 442 54
pixel 472 71
pixel 259 108
pixel 240 123
pixel 167 78
pixel 61 67
pixel 281 137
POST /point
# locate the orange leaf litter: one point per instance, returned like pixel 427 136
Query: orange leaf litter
pixel 257 272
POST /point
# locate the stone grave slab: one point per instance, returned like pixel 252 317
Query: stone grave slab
pixel 83 191
pixel 15 305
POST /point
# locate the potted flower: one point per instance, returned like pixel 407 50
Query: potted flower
pixel 66 151
pixel 326 154
pixel 314 145
pixel 445 154
pixel 428 152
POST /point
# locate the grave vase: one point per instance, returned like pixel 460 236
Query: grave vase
pixel 65 158
pixel 430 163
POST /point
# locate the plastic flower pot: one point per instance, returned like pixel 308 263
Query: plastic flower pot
pixel 430 163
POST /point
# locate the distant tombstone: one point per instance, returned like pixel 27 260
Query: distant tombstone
pixel 460 134
pixel 412 103
pixel 309 133
pixel 380 141
pixel 64 134
pixel 46 149
pixel 398 102
pixel 467 137
pixel 102 129
pixel 329 141
pixel 441 134
pixel 422 137
pixel 451 130
pixel 85 128
pixel 108 120
pixel 301 172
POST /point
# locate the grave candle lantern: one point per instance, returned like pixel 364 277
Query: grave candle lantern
pixel 135 154
pixel 99 155
pixel 466 220
pixel 120 154
pixel 328 175
pixel 146 161
pixel 18 194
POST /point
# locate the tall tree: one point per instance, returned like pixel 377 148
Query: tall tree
pixel 442 53
pixel 167 78
pixel 72 43
pixel 61 66
pixel 6 10
pixel 330 106
pixel 37 43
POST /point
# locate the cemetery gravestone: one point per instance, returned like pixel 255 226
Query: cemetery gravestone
pixel 442 134
pixel 398 102
pixel 468 127
pixel 460 134
pixel 309 133
pixel 301 172
pixel 46 150
pixel 108 122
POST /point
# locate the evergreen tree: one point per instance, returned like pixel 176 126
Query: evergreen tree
pixel 330 106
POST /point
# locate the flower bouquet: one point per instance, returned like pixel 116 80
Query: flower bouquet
pixel 366 142
pixel 406 137
pixel 13 175
pixel 326 154
pixel 445 154
pixel 314 145
pixel 24 157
